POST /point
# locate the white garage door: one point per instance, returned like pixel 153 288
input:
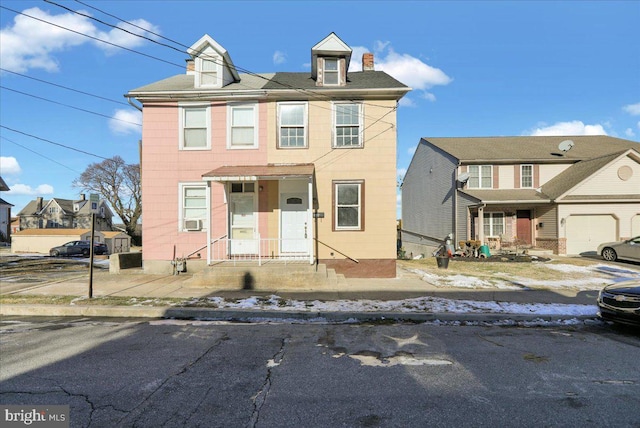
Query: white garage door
pixel 635 225
pixel 586 232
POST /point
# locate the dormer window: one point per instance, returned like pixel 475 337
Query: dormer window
pixel 208 72
pixel 331 71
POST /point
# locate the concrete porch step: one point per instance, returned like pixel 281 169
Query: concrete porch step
pixel 266 277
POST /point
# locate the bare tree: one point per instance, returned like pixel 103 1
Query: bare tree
pixel 119 184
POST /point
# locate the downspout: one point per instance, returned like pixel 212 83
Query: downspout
pixel 132 104
pixel 455 206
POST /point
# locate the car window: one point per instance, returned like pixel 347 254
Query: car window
pixel 69 244
pixel 635 240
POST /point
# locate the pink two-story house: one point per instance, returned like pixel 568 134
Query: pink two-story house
pixel 276 166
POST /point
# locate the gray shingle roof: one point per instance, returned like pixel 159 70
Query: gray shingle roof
pixel 570 177
pixel 530 149
pixel 185 83
pixel 273 82
pixel 507 195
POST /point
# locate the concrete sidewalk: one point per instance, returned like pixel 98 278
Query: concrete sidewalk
pixel 406 285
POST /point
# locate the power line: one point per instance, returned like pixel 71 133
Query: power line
pixel 52 142
pixel 64 87
pixel 69 106
pixel 308 92
pixel 39 154
pixel 315 94
pixel 88 36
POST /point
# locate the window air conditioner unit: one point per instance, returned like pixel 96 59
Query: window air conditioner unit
pixel 193 225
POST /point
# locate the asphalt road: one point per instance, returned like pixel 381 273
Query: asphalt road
pixel 125 373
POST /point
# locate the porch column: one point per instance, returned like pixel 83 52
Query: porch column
pixel 481 225
pixel 208 202
pixel 310 229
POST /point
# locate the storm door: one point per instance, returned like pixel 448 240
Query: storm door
pixel 294 228
pixel 243 219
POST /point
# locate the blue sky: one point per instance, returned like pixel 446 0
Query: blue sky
pixel 501 68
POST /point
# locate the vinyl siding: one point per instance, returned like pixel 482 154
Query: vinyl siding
pixel 428 196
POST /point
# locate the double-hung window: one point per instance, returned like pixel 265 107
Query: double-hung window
pixel 193 206
pixel 526 176
pixel 331 71
pixel 348 205
pixel 242 126
pixel 493 224
pixel 195 125
pixel 347 119
pixel 208 72
pixel 292 123
pixel 480 177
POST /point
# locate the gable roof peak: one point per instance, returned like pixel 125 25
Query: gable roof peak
pixel 332 46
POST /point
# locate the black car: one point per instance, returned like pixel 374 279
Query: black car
pixel 78 248
pixel 620 302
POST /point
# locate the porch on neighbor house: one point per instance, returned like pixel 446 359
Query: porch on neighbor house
pixel 269 215
pixel 503 227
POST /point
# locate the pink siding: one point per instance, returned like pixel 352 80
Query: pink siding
pixel 164 167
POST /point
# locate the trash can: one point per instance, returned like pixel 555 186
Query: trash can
pixel 484 251
pixel 443 262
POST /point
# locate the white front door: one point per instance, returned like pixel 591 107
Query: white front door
pixel 243 224
pixel 293 224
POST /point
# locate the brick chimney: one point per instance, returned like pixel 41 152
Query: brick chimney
pixel 39 203
pixel 367 62
pixel 191 66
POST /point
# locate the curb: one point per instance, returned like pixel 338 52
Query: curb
pixel 248 315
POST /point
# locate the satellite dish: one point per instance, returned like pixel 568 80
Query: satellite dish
pixel 464 177
pixel 565 146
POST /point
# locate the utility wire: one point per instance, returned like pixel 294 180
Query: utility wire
pixel 304 91
pixel 52 142
pixel 39 154
pixel 65 87
pixel 69 106
pixel 316 94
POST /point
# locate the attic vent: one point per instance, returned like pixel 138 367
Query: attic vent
pixel 192 225
pixel 294 201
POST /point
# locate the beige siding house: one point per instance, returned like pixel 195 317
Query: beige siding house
pixel 565 194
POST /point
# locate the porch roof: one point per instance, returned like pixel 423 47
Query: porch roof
pixel 260 172
pixel 507 196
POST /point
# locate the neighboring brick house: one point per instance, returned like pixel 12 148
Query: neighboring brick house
pixel 64 214
pixel 565 194
pixel 293 166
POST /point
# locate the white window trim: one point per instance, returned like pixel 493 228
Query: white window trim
pixel 181 109
pixel 490 216
pixel 337 72
pixel 305 124
pixel 480 177
pixel 336 205
pixel 256 123
pixel 522 176
pixel 334 126
pixel 198 68
pixel 181 219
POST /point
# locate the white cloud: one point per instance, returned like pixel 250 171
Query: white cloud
pixel 407 102
pixel 9 165
pixel 629 132
pixel 575 127
pixel 30 43
pixel 279 57
pixel 24 189
pixel 632 109
pixel 429 96
pixel 124 122
pixel 401 172
pixel 411 150
pixel 407 69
